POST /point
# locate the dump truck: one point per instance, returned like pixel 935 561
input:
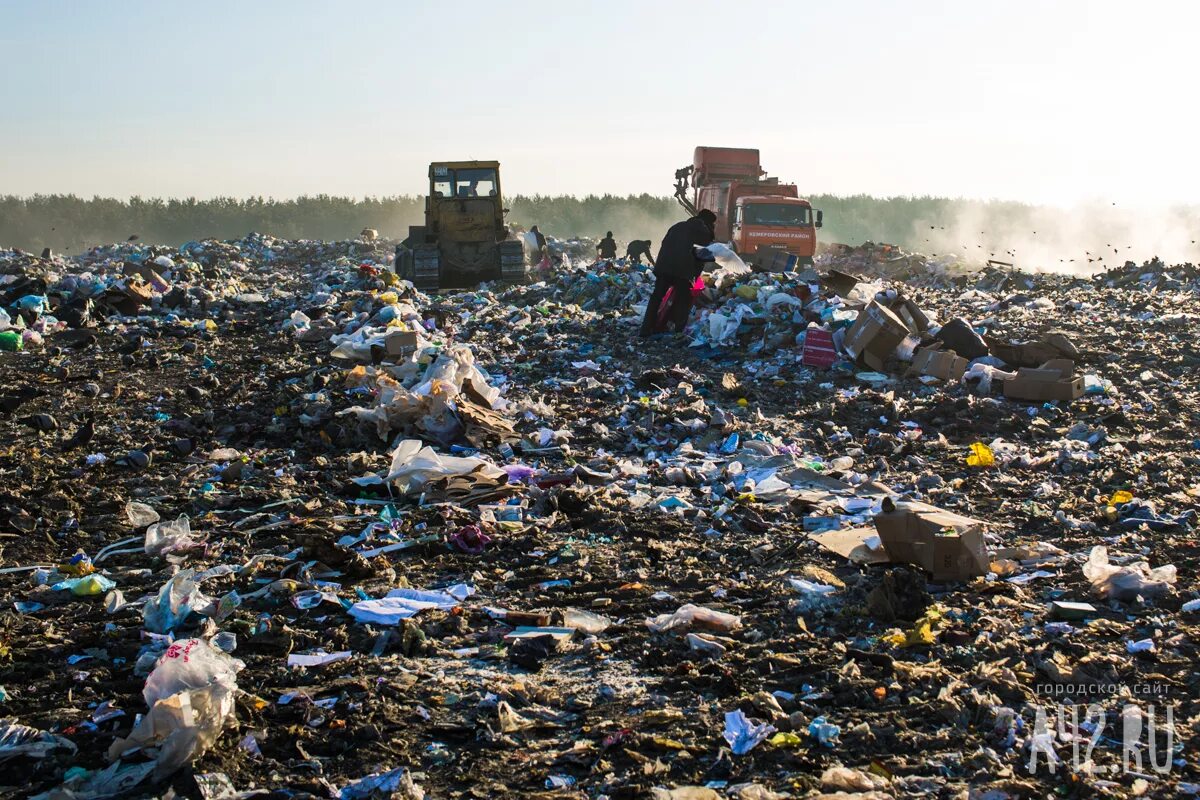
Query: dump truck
pixel 464 240
pixel 762 218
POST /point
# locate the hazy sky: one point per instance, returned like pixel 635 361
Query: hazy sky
pixel 1042 101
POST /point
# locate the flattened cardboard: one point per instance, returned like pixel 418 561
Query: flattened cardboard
pixel 1054 380
pixel 874 336
pixel 841 283
pixel 935 362
pixel 853 544
pixel 948 546
pixel 818 349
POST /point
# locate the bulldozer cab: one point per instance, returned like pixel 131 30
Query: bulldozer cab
pixel 464 202
pixel 464 240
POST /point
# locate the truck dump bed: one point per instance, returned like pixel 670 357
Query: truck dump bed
pixel 714 164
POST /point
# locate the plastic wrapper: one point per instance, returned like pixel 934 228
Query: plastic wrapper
pixel 21 740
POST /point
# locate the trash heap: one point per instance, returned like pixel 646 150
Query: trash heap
pixel 279 525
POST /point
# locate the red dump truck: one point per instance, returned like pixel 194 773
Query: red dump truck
pixel 766 221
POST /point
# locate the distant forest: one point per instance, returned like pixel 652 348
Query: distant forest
pixel 71 224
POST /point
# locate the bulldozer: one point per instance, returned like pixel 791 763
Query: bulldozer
pixel 464 240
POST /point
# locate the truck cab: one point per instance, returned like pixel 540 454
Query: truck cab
pixel 785 223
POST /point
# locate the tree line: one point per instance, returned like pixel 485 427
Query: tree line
pixel 66 223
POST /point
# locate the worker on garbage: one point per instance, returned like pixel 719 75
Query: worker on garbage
pixel 678 267
pixel 636 249
pixel 607 247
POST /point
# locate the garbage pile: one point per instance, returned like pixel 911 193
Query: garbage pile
pixel 280 525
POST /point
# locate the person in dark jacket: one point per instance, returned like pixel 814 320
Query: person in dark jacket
pixel 607 247
pixel 636 249
pixel 678 266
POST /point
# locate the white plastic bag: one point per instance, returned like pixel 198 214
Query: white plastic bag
pixel 1128 582
pixel 191 698
pixel 170 537
pixel 413 464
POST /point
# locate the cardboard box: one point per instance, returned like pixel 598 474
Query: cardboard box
pixel 769 259
pixel 948 546
pixel 1033 354
pixel 938 363
pixel 131 298
pixel 1054 380
pixel 910 314
pixel 818 349
pixel 156 281
pixel 874 336
pixel 840 283
pixel 400 345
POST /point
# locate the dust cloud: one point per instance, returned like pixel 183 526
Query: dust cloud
pixel 1085 239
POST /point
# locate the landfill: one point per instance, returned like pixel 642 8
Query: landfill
pixel 275 524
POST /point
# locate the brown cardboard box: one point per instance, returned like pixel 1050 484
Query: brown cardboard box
pixel 841 283
pixel 400 345
pixel 910 314
pixel 1033 354
pixel 944 364
pixel 129 300
pixel 1054 380
pixel 771 259
pixel 156 281
pixel 947 546
pixel 874 336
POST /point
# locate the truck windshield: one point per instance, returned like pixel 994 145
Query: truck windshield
pixel 777 215
pixel 475 183
pixel 465 182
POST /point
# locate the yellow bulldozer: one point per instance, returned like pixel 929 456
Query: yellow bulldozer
pixel 464 240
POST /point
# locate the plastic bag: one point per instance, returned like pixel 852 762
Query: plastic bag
pixel 981 456
pixel 743 734
pixel 170 537
pixel 140 515
pixel 1128 582
pixel 414 464
pixel 689 614
pixel 585 621
pixel 191 697
pixel 396 783
pixel 178 597
pixel 189 664
pixel 728 262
